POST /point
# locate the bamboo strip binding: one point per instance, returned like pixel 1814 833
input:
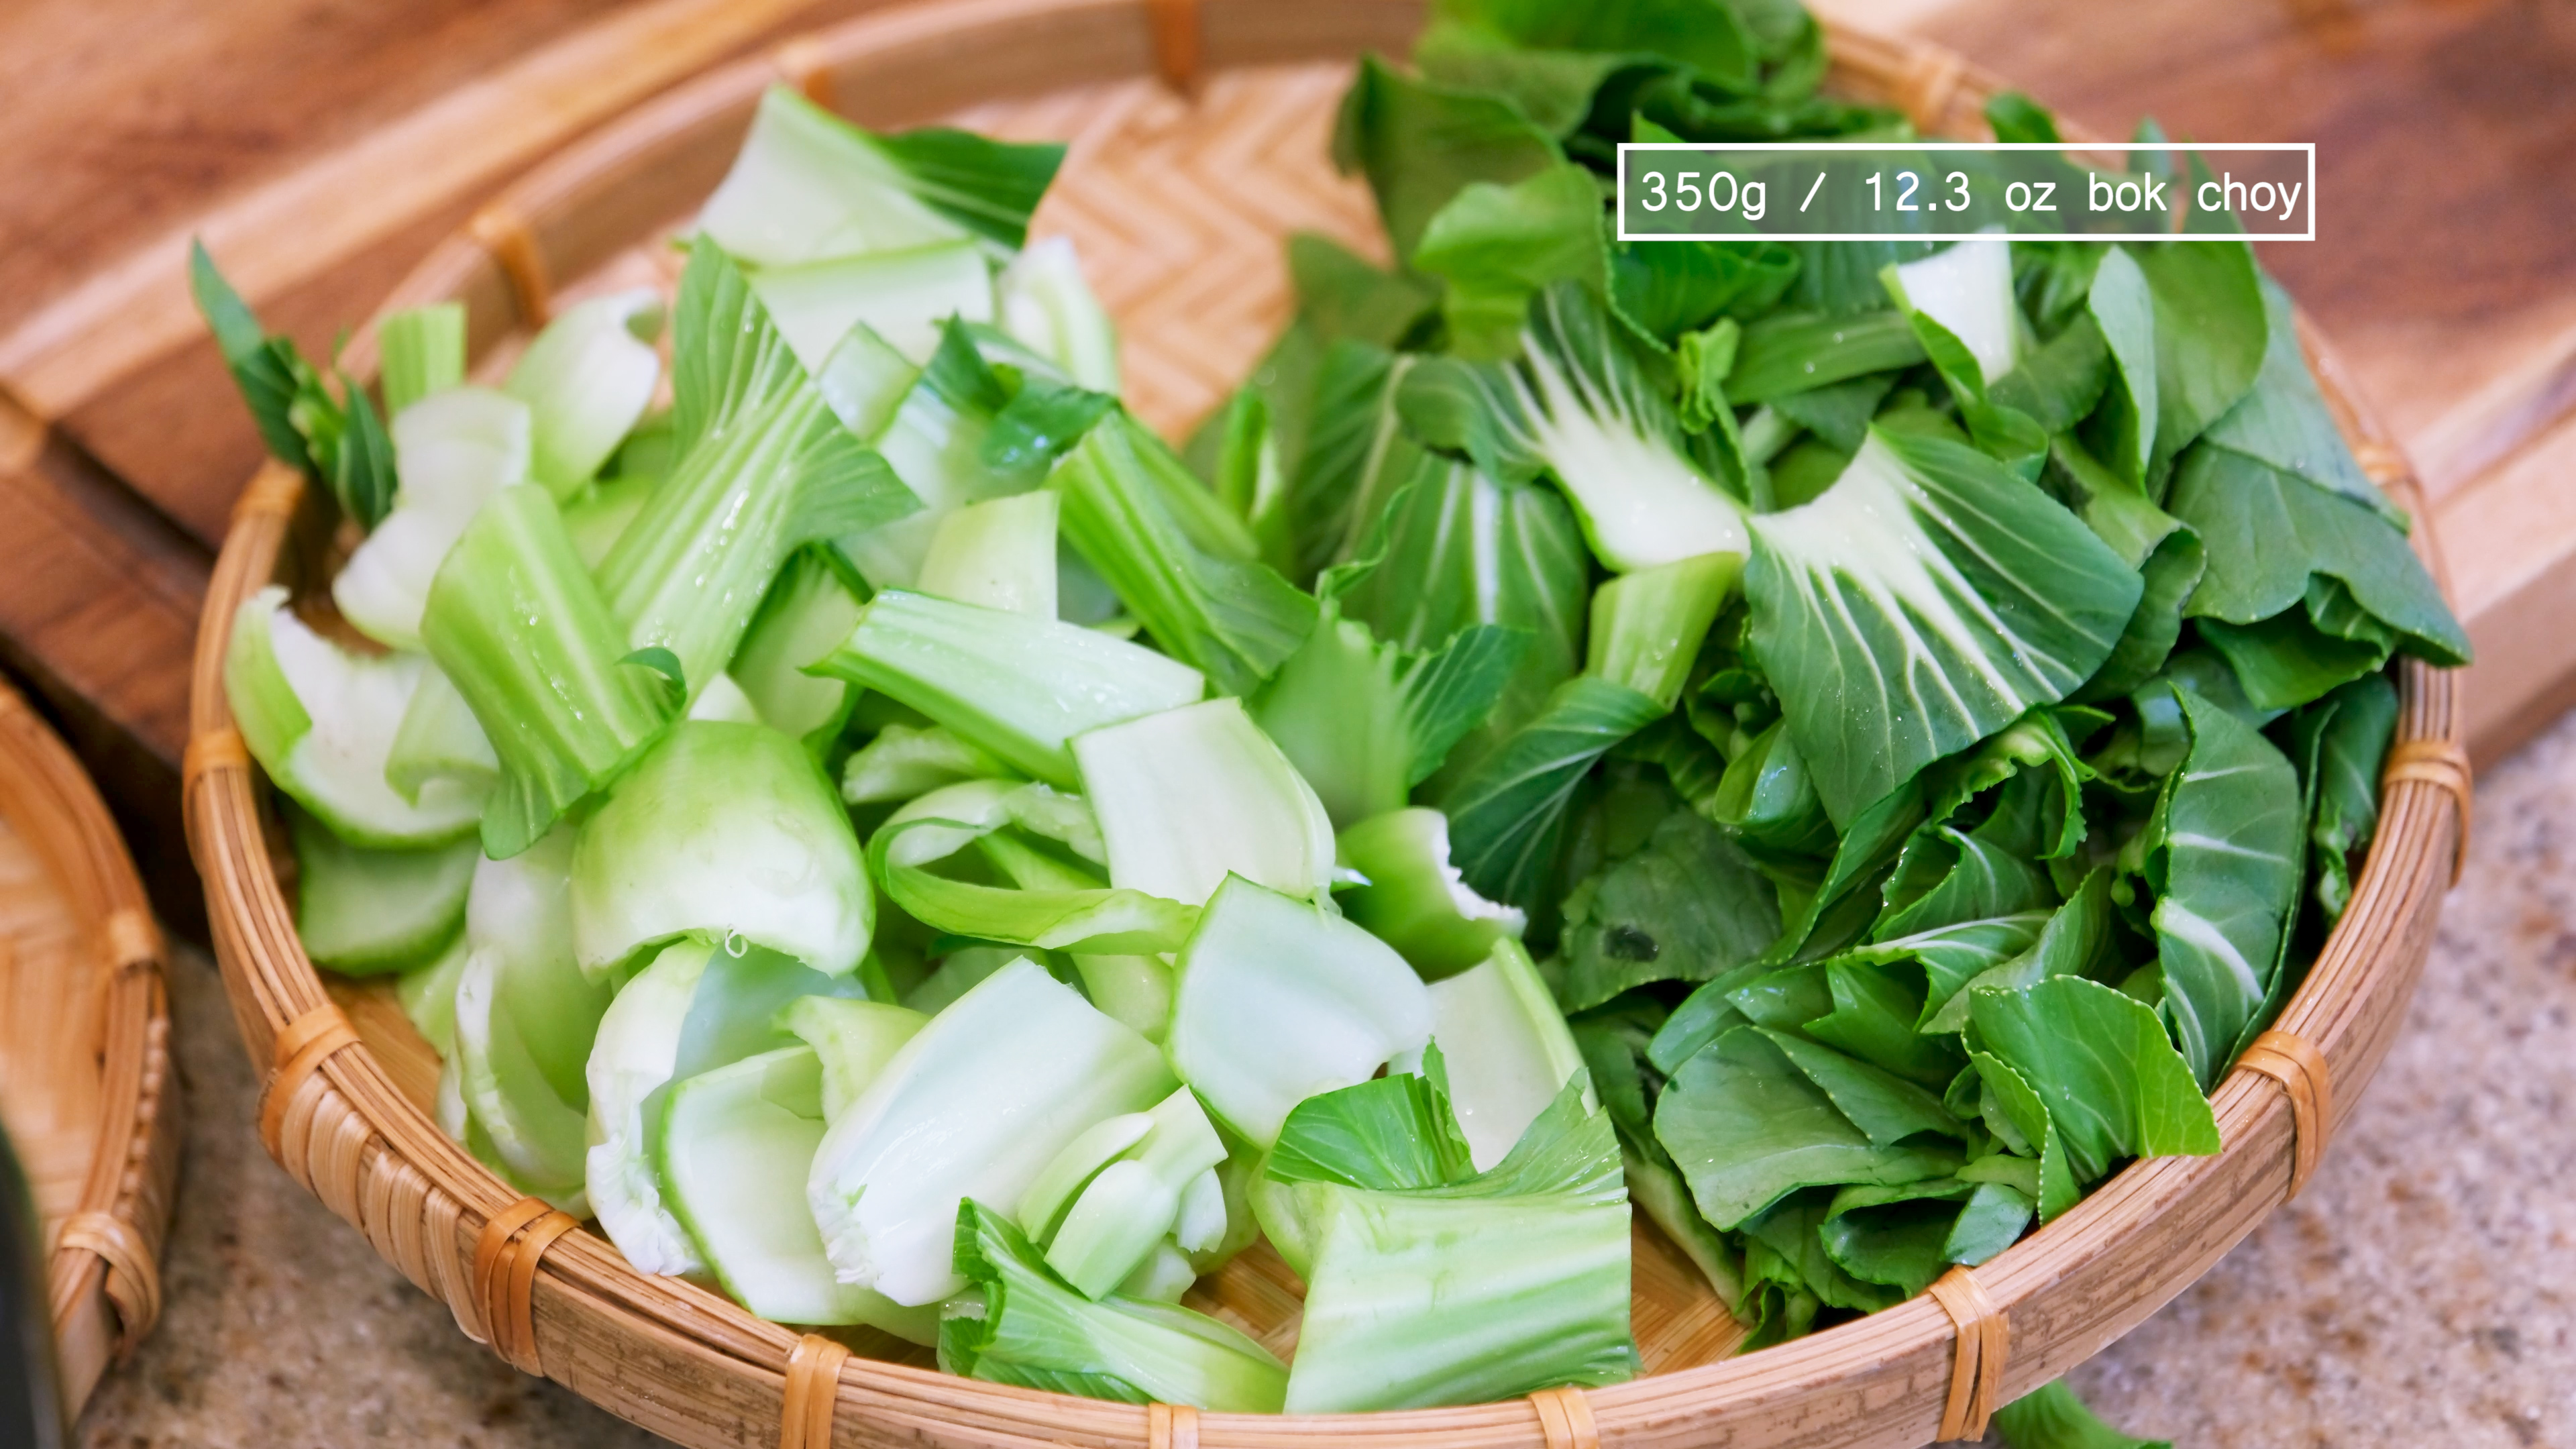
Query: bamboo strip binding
pixel 1226 179
pixel 301 1048
pixel 2287 1058
pixel 1565 1417
pixel 2443 765
pixel 1171 1426
pixel 506 1255
pixel 133 1268
pixel 812 1390
pixel 1977 1367
pixel 504 233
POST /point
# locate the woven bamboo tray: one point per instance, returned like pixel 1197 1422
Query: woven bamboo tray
pixel 1198 137
pixel 85 1082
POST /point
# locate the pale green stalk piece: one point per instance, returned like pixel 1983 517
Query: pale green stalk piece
pixel 1507 1049
pixel 423 351
pixel 428 997
pixel 1412 897
pixel 1046 303
pixel 903 296
pixel 452 451
pixel 733 1150
pixel 675 851
pixel 440 740
pixel 853 1039
pixel 1016 687
pixel 1279 999
pixel 903 762
pixel 1967 288
pixel 1189 796
pixel 973 1106
pixel 1647 625
pixel 1000 554
pixel 587 379
pixel 321 721
pixel 369 912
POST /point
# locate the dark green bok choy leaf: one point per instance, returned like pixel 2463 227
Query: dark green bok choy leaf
pixel 1925 601
pixel 1579 406
pixel 1452 550
pixel 338 442
pixel 2222 854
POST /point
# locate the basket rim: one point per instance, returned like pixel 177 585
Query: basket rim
pixel 274 982
pixel 103 1288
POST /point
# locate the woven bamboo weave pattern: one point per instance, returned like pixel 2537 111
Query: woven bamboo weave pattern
pixel 1177 208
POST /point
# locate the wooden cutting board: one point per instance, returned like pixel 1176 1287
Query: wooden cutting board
pixel 320 149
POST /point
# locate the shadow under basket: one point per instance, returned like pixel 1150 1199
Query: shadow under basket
pixel 1198 137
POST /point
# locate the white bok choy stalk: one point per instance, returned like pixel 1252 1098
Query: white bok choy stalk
pixel 1000 554
pixel 903 762
pixel 809 610
pixel 1279 999
pixel 723 830
pixel 1109 1200
pixel 526 1017
pixel 518 627
pixel 902 296
pixel 1046 844
pixel 321 721
pixel 369 912
pixel 1046 304
pixel 975 1105
pixel 440 740
pixel 695 1007
pixel 1017 687
pixel 1966 287
pixel 734 1148
pixel 1429 1282
pixel 1505 1047
pixel 1578 406
pixel 452 451
pixel 587 379
pixel 1190 796
pixel 808 185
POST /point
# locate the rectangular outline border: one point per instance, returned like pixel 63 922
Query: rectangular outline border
pixel 1863 147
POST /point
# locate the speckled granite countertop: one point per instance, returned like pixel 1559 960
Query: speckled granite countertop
pixel 2421 1292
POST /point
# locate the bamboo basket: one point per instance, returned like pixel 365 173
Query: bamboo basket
pixel 85 1082
pixel 1198 136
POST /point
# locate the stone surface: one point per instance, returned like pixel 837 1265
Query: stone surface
pixel 283 1329
pixel 2421 1292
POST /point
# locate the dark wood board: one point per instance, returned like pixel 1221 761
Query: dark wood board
pixel 321 146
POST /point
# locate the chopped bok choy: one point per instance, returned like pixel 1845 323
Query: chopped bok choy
pixel 1838 745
